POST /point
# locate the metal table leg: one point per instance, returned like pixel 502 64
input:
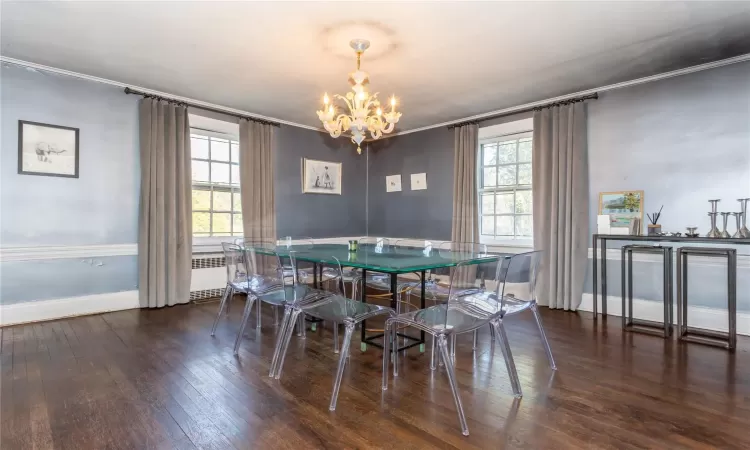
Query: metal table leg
pixel 422 306
pixel 595 280
pixel 363 325
pixel 604 278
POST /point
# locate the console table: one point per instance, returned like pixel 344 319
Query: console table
pixel 603 238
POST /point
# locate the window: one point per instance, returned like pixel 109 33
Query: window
pixel 216 183
pixel 505 188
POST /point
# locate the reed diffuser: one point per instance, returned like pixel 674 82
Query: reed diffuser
pixel 654 229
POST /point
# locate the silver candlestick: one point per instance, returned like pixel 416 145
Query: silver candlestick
pixel 724 233
pixel 738 216
pixel 744 232
pixel 714 232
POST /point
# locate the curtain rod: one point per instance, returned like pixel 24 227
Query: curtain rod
pixel 568 101
pixel 205 108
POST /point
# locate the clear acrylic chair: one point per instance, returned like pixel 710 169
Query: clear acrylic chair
pixel 468 309
pixel 265 282
pixel 336 308
pixel 236 278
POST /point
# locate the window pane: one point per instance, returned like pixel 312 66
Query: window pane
pixel 507 152
pixel 201 222
pixel 219 173
pixel 490 177
pixel 488 225
pixel 488 203
pixel 235 174
pixel 237 224
pixel 198 147
pixel 506 175
pixel 219 149
pixel 235 151
pixel 504 203
pixel 524 174
pixel 490 154
pixel 236 202
pixel 199 170
pixel 523 202
pixel 523 226
pixel 201 200
pixel 222 223
pixel 524 149
pixel 504 226
pixel 222 201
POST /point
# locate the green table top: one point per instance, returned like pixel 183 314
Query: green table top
pixel 388 260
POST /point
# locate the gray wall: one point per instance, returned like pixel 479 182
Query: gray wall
pixel 318 215
pixel 99 208
pixel 682 140
pixel 412 214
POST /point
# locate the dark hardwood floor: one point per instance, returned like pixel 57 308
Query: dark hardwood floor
pixel 156 379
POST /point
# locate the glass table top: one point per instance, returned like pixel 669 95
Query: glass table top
pixel 389 260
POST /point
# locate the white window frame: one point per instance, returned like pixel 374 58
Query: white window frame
pixel 516 131
pixel 211 240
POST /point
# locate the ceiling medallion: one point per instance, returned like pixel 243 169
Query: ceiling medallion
pixel 364 109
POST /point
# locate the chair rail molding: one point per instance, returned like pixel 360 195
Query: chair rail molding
pixel 66 251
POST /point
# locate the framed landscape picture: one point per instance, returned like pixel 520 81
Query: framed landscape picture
pixel 45 149
pixel 622 207
pixel 321 177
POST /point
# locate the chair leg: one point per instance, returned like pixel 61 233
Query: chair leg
pixel 258 314
pixel 386 352
pixel 508 356
pixel 224 300
pixel 285 345
pixel 453 346
pixel 394 346
pixel 474 342
pixel 276 316
pixel 448 361
pixel 543 335
pixel 245 317
pixel 335 337
pixel 342 364
pixel 492 333
pixel 433 343
pixel 280 339
pixel 302 327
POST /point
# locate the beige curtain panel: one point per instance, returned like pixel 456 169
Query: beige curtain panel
pixel 465 227
pixel 561 203
pixel 165 230
pixel 257 163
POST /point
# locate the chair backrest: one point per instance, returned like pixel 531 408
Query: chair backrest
pixel 234 262
pixel 377 244
pixel 518 278
pixel 426 247
pixel 264 271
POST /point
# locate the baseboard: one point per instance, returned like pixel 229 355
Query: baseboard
pixel 715 319
pixel 59 308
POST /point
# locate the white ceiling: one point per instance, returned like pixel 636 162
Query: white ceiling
pixel 444 60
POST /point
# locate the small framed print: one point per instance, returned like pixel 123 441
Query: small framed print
pixel 49 150
pixel 622 207
pixel 321 177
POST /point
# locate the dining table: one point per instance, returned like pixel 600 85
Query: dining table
pixel 386 259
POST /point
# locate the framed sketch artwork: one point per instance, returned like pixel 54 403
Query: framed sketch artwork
pixel 621 207
pixel 321 177
pixel 50 150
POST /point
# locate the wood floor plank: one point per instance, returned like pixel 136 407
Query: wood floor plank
pixel 157 379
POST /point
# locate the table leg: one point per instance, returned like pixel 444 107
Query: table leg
pixel 422 306
pixel 595 281
pixel 315 275
pixel 604 278
pixel 363 298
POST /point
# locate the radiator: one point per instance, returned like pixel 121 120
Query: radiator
pixel 208 279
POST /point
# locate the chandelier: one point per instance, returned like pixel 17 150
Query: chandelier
pixel 364 109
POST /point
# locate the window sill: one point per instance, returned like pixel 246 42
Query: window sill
pixel 211 244
pixel 509 245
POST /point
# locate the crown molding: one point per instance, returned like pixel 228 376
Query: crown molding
pixel 198 103
pixel 610 87
pixel 511 110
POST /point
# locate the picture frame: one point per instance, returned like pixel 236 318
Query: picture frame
pixel 47 150
pixel 321 177
pixel 622 207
